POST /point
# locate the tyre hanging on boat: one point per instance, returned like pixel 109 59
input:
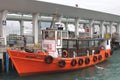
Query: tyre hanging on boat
pixel 80 61
pixel 99 57
pixel 65 54
pixel 61 63
pixel 94 58
pixel 87 60
pixel 106 55
pixel 73 62
pixel 48 59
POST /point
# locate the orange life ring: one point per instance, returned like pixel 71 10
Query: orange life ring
pixel 65 54
pixel 73 62
pixel 61 63
pixel 80 61
pixel 48 59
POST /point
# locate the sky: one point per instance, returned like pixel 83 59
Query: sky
pixel 108 6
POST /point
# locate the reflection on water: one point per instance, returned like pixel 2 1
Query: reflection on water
pixel 111 71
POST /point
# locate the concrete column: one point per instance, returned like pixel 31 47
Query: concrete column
pixel 35 28
pixel 111 24
pixel 39 31
pixel 3 23
pixel 91 28
pixel 21 27
pixel 39 27
pixel 118 28
pixel 66 26
pixel 77 27
pixel 55 18
pixel 106 29
pixel 101 29
pixel 58 18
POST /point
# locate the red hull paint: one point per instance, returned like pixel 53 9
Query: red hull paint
pixel 29 63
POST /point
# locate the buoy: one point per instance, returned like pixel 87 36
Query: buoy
pixel 73 62
pixel 48 59
pixel 61 63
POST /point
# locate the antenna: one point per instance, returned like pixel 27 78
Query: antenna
pixel 54 16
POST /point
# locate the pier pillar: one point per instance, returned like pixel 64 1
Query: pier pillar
pixel 118 28
pixel 35 27
pixel 58 18
pixel 101 29
pixel 106 29
pixel 39 31
pixel 3 23
pixel 21 27
pixel 77 27
pixel 66 26
pixel 91 27
pixel 111 24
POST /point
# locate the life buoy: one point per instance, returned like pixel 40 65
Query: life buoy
pixel 80 61
pixel 65 54
pixel 48 59
pixel 106 55
pixel 87 60
pixel 61 63
pixel 94 58
pixel 73 62
pixel 99 57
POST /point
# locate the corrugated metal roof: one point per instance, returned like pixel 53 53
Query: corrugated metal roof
pixel 31 6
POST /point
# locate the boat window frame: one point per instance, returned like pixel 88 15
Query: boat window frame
pixel 46 35
pixel 74 45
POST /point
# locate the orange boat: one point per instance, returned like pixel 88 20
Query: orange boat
pixel 61 53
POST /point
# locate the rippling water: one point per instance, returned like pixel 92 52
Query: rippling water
pixel 107 70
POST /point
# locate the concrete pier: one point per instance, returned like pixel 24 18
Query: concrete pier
pixel 2 49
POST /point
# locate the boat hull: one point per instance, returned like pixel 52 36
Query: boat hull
pixel 30 63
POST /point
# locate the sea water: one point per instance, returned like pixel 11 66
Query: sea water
pixel 107 70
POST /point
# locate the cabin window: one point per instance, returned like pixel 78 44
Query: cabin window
pixel 64 34
pixel 64 43
pixel 46 34
pixel 83 44
pixel 52 34
pixel 72 44
pixel 96 43
pixel 102 42
pixel 91 43
pixel 71 34
pixel 80 44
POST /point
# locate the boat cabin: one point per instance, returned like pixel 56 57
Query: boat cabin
pixel 59 44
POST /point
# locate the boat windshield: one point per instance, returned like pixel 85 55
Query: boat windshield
pixel 48 35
